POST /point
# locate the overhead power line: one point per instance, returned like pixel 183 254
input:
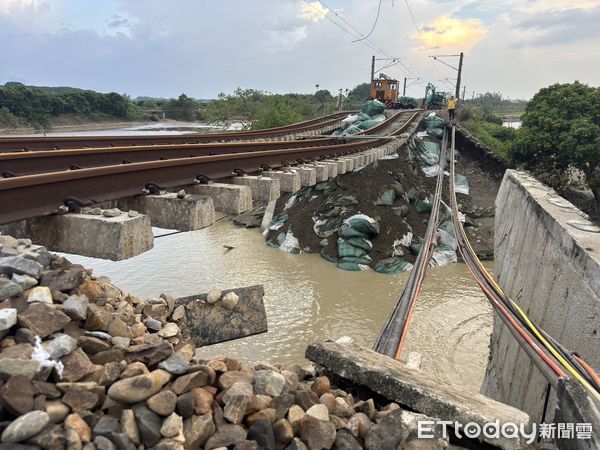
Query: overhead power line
pixel 421 38
pixel 374 24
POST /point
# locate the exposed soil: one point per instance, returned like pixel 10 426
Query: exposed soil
pixel 368 184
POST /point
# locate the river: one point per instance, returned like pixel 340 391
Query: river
pixel 308 299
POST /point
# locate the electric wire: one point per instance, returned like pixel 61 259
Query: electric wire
pixel 374 24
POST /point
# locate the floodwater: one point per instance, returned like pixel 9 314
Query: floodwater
pixel 308 299
pixel 512 123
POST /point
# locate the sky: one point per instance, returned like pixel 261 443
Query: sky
pixel 162 48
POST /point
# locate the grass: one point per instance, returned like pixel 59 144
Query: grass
pixel 496 137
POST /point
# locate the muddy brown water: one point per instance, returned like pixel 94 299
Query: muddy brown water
pixel 308 299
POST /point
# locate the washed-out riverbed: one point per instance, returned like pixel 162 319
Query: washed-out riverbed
pixel 308 299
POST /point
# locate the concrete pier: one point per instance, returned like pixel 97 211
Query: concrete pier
pixel 547 260
pixel 264 189
pixel 228 198
pixel 191 212
pixel 120 237
pixel 308 175
pixel 289 181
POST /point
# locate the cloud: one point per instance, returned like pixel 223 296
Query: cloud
pixel 117 21
pixel 9 7
pixel 313 11
pixel 450 33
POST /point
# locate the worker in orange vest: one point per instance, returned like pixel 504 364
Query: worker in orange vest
pixel 451 107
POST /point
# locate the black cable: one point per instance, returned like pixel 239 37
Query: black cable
pixel 374 24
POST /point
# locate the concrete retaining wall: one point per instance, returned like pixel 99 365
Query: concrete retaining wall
pixel 551 268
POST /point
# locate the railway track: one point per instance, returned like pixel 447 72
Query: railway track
pixel 48 192
pixel 35 143
pixel 26 163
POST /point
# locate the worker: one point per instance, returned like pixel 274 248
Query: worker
pixel 451 107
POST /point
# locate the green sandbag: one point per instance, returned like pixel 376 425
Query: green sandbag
pixel 373 107
pixel 347 232
pixel 353 129
pixel 397 187
pixel 386 199
pixel 379 118
pixel 401 210
pixel 363 243
pixel 327 257
pixel 346 250
pixel 416 245
pixel 461 184
pixel 392 266
pixel 361 116
pixel 366 124
pixel 342 200
pixel 434 122
pixel 423 205
pixel 357 260
pixel 353 267
pixel 435 132
pixel 364 226
pixel 278 221
pixel 413 193
pixel 429 152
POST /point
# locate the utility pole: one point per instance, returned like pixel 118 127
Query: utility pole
pixel 372 69
pixel 404 90
pixel 460 64
pixel 464 90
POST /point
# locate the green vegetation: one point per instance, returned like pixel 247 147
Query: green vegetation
pixel 561 132
pixel 488 129
pixel 495 103
pixel 22 105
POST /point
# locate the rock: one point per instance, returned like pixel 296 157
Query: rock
pixel 306 398
pixel 256 402
pixel 225 436
pixel 366 407
pixel 246 445
pixel 239 388
pixel 8 318
pixel 99 335
pixel 77 365
pixel 197 430
pixel 9 288
pixel 76 423
pixel 43 320
pixel 121 441
pixel 134 369
pixel 16 366
pixel 228 379
pixel 150 354
pixel 294 416
pixel 25 426
pixel 97 318
pixel 213 296
pixel 320 386
pixel 344 440
pixel 153 324
pixel 179 313
pixel 262 433
pixel 121 342
pixel 46 389
pixel 328 399
pixel 162 403
pixel 236 408
pixel 40 294
pixel 16 395
pixel 185 405
pixel 129 426
pixel 203 401
pixel 296 444
pixel 20 265
pixel 63 280
pixel 106 425
pixel 318 434
pixel 76 306
pixel 181 193
pixel 283 431
pixel 343 409
pixel 57 411
pixel 268 414
pixel 188 382
pixel 268 382
pixel 92 345
pixel 82 396
pixel 72 440
pixel 138 388
pixel 169 330
pixel 148 424
pixel 118 327
pixel 390 432
pixel 359 425
pixel 172 426
pixel 230 301
pixel 18 351
pixel 61 345
pixel 112 355
pixel 24 336
pixel 51 438
pixel 318 412
pixel 103 443
pixel 176 364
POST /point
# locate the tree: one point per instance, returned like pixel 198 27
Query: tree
pixel 561 132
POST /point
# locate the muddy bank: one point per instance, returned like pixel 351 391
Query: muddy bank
pixel 394 193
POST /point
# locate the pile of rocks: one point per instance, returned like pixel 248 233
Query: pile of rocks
pixel 84 365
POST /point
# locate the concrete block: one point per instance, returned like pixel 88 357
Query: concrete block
pixel 416 389
pixel 288 181
pixel 321 170
pixel 341 166
pixel 115 238
pixel 333 172
pixel 228 198
pixel 308 175
pixel 349 164
pixel 168 211
pixel 264 189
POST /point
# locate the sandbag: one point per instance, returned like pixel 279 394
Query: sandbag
pixel 366 124
pixel 461 184
pixel 435 132
pixel 347 232
pixel 379 118
pixel 392 266
pixel 433 121
pixel 363 243
pixel 386 199
pixel 346 249
pixel 429 152
pixel 364 224
pixel 373 107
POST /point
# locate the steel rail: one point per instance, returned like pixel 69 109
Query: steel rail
pixel 25 143
pixel 27 163
pixel 393 334
pixel 30 196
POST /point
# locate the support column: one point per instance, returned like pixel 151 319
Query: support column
pixel 227 198
pixel 263 189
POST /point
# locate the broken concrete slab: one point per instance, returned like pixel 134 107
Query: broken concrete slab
pixel 415 389
pixel 226 319
pixel 120 237
pixel 171 211
pixel 229 198
pixel 576 406
pixel 263 189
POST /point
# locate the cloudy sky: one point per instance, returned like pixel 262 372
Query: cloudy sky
pixel 203 47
